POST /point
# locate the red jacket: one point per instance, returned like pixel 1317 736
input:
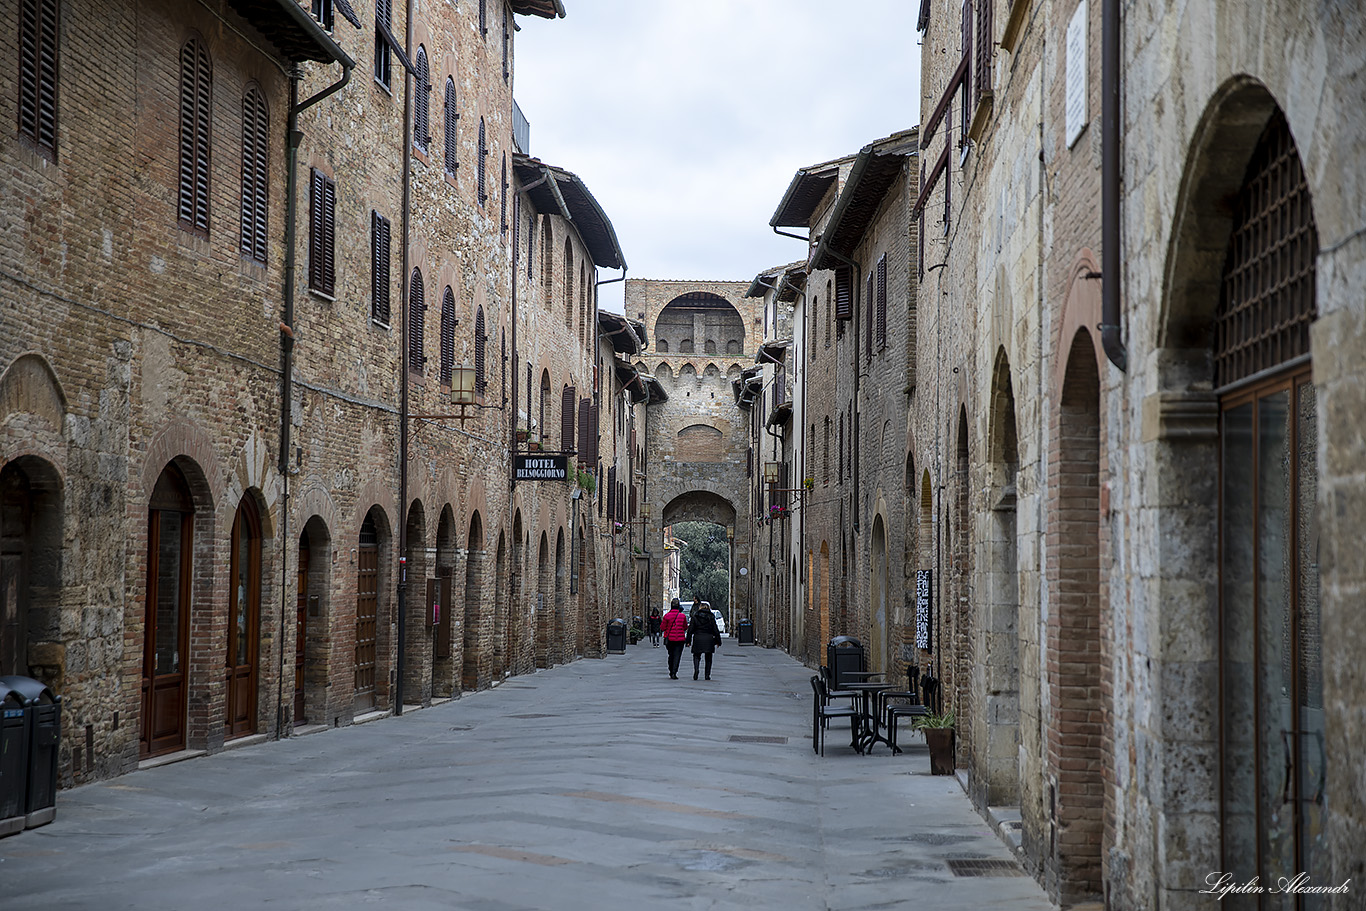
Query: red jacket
pixel 674 626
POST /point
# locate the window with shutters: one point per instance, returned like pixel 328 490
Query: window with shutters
pixel 384 64
pixel 882 303
pixel 844 296
pixel 567 400
pixel 507 45
pixel 985 47
pixel 447 336
pixel 612 492
pixel 483 18
pixel 322 233
pixel 829 292
pixel 480 164
pixel 480 379
pixel 379 269
pixel 503 197
pixel 583 306
pixel 568 284
pixel 825 454
pixel 417 322
pixel 840 456
pixel 38 57
pixel 451 116
pixel 422 125
pixel 868 322
pixel 965 106
pixel 812 320
pixel 323 12
pixel 585 450
pixel 255 175
pixel 547 260
pixel 196 115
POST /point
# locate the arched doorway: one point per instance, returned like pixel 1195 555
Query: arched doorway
pixel 542 605
pixel 310 631
pixel 244 621
pixel 372 539
pixel 443 674
pixel 415 571
pixel 166 623
pixel 557 649
pixel 877 596
pixel 30 568
pixel 474 589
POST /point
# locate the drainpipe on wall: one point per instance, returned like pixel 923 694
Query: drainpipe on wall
pixel 1110 148
pixel 293 137
pixel 400 663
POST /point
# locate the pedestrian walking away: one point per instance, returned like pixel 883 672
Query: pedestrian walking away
pixel 675 628
pixel 656 624
pixel 704 636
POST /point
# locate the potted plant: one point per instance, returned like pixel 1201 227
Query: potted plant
pixel 938 730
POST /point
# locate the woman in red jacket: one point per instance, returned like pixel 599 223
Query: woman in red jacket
pixel 675 629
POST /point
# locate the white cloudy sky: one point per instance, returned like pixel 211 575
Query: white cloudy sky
pixel 688 119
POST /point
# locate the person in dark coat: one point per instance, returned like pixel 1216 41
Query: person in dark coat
pixel 704 636
pixel 675 629
pixel 655 626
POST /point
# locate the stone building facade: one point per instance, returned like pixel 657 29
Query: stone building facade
pixel 703 335
pixel 227 424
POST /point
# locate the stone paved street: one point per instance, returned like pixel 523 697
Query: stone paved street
pixel 599 784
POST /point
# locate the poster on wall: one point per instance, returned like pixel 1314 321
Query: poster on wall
pixel 923 606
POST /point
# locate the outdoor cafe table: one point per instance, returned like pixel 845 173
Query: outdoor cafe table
pixel 872 732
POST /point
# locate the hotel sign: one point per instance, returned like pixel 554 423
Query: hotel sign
pixel 540 467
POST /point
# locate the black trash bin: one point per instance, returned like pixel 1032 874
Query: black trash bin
pixel 13 760
pixel 844 655
pixel 616 637
pixel 744 631
pixel 43 731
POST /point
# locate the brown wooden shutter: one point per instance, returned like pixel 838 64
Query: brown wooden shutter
pixel 480 383
pixel 844 294
pixel 447 336
pixel 421 108
pixel 38 53
pixel 567 399
pixel 452 117
pixel 322 208
pixel 417 322
pixel 480 164
pixel 612 492
pixel 984 48
pixel 379 268
pixel 503 197
pixel 196 95
pixel 507 46
pixel 585 456
pixel 868 313
pixel 966 103
pixel 255 175
pixel 882 303
pixel 594 422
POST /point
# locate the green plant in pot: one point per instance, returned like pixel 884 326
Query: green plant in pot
pixel 938 731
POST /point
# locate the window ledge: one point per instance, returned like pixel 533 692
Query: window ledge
pixel 323 295
pixel 376 324
pixel 980 116
pixel 1019 10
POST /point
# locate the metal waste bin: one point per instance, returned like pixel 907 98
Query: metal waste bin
pixel 13 760
pixel 43 733
pixel 616 637
pixel 844 655
pixel 744 631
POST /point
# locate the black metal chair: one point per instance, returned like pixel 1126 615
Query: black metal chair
pixel 834 692
pixel 822 711
pixel 910 706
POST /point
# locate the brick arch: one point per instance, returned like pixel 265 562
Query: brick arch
pixel 181 439
pixel 699 506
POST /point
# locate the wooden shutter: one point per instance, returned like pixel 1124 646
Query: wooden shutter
pixel 982 63
pixel 966 104
pixel 255 175
pixel 840 456
pixel 421 109
pixel 196 113
pixel 480 383
pixel 479 165
pixel 452 117
pixel 38 52
pixel 567 399
pixel 585 462
pixel 417 322
pixel 568 284
pixel 868 312
pixel 483 18
pixel 379 268
pixel 503 197
pixel 447 336
pixel 844 293
pixel 507 46
pixel 384 12
pixel 594 422
pixel 322 209
pixel 882 303
pixel 612 492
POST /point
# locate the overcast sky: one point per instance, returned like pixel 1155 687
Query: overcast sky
pixel 687 120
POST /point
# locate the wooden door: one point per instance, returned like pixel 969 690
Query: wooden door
pixel 15 510
pixel 367 615
pixel 165 661
pixel 301 631
pixel 243 623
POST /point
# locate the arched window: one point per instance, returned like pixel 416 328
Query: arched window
pixel 450 119
pixel 421 107
pixel 196 114
pixel 255 175
pixel 417 321
pixel 480 164
pixel 480 379
pixel 447 335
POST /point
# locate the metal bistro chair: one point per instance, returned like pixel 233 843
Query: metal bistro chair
pixel 822 712
pixel 912 707
pixel 835 692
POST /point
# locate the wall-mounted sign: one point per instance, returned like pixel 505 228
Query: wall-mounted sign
pixel 1075 111
pixel 923 613
pixel 540 467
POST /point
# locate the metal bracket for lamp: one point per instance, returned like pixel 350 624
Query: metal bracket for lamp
pixel 462 394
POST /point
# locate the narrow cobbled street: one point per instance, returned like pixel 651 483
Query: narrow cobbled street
pixel 599 784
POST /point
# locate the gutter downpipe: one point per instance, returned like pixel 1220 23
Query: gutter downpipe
pixel 400 664
pixel 1110 327
pixel 293 137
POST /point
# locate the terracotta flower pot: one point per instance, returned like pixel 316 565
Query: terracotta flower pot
pixel 940 741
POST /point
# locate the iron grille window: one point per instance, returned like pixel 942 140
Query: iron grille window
pixel 417 322
pixel 196 115
pixel 379 269
pixel 322 232
pixel 882 303
pixel 447 336
pixel 449 120
pixel 422 109
pixel 1267 299
pixel 38 56
pixel 255 175
pixel 483 153
pixel 384 64
pixel 567 399
pixel 480 382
